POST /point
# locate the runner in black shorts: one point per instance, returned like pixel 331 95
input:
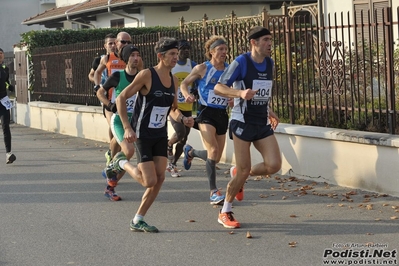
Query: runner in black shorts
pixel 252 120
pixel 182 69
pixel 212 118
pixel 156 90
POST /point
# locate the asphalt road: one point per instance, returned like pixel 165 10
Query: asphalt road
pixel 53 212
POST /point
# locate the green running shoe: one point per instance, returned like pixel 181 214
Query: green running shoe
pixel 115 161
pixel 108 157
pixel 142 226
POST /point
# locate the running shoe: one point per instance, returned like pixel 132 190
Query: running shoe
pixel 187 158
pixel 240 194
pixel 108 157
pixel 170 153
pixel 142 226
pixel 111 194
pixel 111 176
pixel 169 167
pixel 172 169
pixel 115 162
pixel 227 220
pixel 10 158
pixel 216 197
pixel 174 172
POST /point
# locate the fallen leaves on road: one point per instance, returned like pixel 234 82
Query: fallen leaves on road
pixel 248 235
pixel 292 244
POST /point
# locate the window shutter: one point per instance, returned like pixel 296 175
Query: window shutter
pixel 378 8
pixel 359 15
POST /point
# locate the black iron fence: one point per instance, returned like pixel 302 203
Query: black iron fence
pixel 343 74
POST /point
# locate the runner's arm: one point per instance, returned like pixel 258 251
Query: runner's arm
pixel 176 113
pixel 111 82
pixel 140 83
pixel 197 73
pixel 99 70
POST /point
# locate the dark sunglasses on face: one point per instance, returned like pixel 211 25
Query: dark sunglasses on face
pixel 125 42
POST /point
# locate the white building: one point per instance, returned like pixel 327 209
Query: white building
pixel 12 13
pixel 375 8
pixel 145 13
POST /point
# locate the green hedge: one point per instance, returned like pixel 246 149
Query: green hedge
pixel 45 38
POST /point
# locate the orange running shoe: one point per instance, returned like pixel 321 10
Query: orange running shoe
pixel 227 220
pixel 111 194
pixel 240 194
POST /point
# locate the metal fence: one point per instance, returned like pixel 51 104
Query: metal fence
pixel 9 62
pixel 342 75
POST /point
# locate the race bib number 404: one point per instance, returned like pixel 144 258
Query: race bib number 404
pixel 158 117
pixel 264 90
pixel 5 101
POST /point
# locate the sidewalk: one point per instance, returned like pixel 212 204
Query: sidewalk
pixel 53 212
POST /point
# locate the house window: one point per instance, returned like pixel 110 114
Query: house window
pixel 370 10
pixel 118 23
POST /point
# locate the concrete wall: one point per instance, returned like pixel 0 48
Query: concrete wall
pixel 347 158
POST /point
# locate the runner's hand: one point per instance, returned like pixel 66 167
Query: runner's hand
pixel 190 98
pixel 274 121
pixel 188 121
pixel 248 94
pixel 130 135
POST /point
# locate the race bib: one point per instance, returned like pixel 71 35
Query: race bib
pixel 158 117
pixel 130 103
pixel 5 101
pixel 264 88
pixel 180 96
pixel 216 99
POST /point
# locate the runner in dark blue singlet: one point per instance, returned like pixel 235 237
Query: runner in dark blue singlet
pixel 156 90
pixel 252 120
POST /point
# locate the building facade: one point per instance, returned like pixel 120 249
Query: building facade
pixel 12 13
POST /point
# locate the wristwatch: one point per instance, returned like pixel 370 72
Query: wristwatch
pixel 96 88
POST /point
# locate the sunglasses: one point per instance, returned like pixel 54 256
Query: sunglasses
pixel 125 42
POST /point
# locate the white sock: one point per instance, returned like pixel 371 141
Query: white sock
pixel 227 206
pixel 137 218
pixel 122 164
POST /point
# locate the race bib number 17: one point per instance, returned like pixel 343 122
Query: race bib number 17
pixel 158 117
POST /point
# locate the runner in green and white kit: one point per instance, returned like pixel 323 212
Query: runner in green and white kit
pixel 119 80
